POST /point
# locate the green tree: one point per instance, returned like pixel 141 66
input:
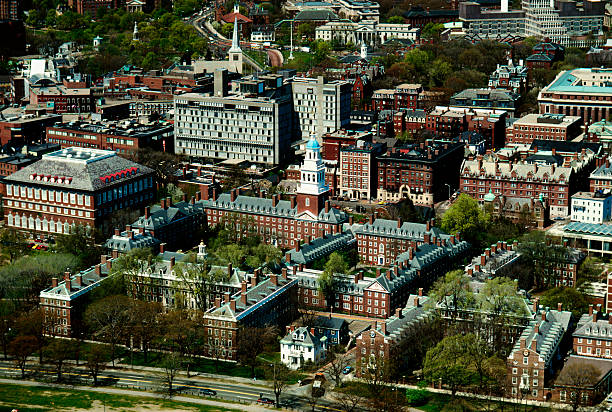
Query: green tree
pixel 452 292
pixel 109 319
pixel 451 361
pixel 232 253
pixel 12 244
pixel 328 283
pixel 82 243
pixel 262 254
pixel 395 20
pixel 199 281
pixel 96 357
pixel 58 351
pixel 577 377
pixel 466 217
pixel 572 299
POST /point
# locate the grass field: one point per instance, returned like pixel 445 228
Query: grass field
pixel 39 398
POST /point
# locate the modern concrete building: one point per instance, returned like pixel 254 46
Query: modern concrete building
pixel 253 124
pixel 320 107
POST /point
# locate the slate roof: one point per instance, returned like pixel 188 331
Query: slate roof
pixel 549 335
pixel 264 206
pixel 85 169
pixel 565 146
pixel 547 158
pixel 89 280
pixel 317 15
pixel 325 322
pixel 494 95
pixel 307 338
pixel 388 228
pixel 159 217
pixel 522 170
pixel 123 243
pixel 602 171
pixel 398 327
pixel 321 246
pixel 601 329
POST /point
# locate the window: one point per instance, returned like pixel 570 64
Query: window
pixel 525 360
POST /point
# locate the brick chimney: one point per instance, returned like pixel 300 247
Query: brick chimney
pixel 214 194
pixel 411 253
pixel 389 274
pixel 488 252
pixel 544 315
pixel 117 232
pixel 274 200
pixel 287 257
pixel 198 196
pixel 230 269
pixel 590 310
pixel 168 201
pixel 327 206
pixel 227 296
pixel 559 306
pixel 243 286
pixel 351 220
pixel 54 282
pixel 536 304
pixel 98 270
pixel 217 302
pixel 428 225
pixel 453 239
pixel 383 327
pixel 79 280
pixel 378 272
pixel 416 301
pixel 371 219
pixel 162 203
pixel 420 291
pixel 493 249
pixel 483 259
pixel 233 195
pixel 255 279
pixel 284 273
pixel 147 212
pixel 233 305
pixel 130 234
pixel 172 262
pixel 536 329
pixel 243 298
pixel 398 312
pixel 274 279
pixel 162 247
pixel 399 222
pixel 293 202
pixel 470 271
pixel 426 238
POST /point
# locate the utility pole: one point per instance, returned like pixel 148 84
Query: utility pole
pixel 291 39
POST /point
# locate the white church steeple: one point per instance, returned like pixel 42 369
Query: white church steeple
pixel 235 39
pixel 312 180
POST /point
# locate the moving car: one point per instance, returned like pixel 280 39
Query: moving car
pixel 208 392
pixel 265 401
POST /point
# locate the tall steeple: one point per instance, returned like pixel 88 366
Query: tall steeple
pixel 235 39
pixel 135 33
pixel 312 190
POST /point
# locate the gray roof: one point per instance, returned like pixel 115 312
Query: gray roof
pixel 326 322
pixel 549 333
pixel 388 228
pixel 264 206
pixel 321 246
pixel 587 328
pixel 159 217
pixel 412 315
pixel 123 243
pixel 89 281
pixel 303 338
pixel 88 172
pixel 315 14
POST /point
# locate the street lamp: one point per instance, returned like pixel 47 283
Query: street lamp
pixel 449 190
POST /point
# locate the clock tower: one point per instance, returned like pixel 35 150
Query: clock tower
pixel 312 191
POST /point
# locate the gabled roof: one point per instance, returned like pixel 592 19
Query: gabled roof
pixel 316 15
pixel 160 217
pixel 123 243
pixel 302 337
pixel 230 17
pixel 321 246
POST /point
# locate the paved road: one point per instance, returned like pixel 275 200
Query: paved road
pixel 292 398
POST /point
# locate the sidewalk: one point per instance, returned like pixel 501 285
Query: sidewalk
pixel 112 391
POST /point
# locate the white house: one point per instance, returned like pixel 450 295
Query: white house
pixel 300 346
pixel 588 207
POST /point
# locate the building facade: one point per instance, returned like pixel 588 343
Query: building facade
pixel 591 207
pixel 545 127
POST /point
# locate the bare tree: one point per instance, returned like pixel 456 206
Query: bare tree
pixel 172 364
pixel 145 324
pixel 336 366
pixel 279 374
pixel 251 342
pixel 578 377
pixel 20 348
pixel 349 402
pixel 109 319
pixel 57 352
pixel 96 358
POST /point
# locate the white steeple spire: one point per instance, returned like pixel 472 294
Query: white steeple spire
pixel 364 51
pixel 312 180
pixel 135 34
pixel 235 40
pixel 236 8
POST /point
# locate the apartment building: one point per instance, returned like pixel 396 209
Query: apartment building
pixel 358 170
pixel 591 207
pixel 321 107
pixel 593 334
pixel 74 186
pixel 426 173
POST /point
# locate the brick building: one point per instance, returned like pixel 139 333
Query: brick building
pixel 544 55
pixel 358 170
pixel 265 302
pixel 495 99
pixel 545 127
pixel 382 340
pixel 555 183
pixel 10 10
pixel 26 129
pixel 449 122
pixel 601 178
pixel 61 99
pixel 425 173
pixel 593 335
pixel 409 120
pixel 584 92
pixel 404 96
pixel 282 222
pixel 64 302
pixel 74 186
pixel 509 77
pixel 119 136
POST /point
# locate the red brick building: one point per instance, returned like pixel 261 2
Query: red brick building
pixel 74 186
pixel 27 129
pixel 119 136
pixel 545 127
pixel 421 172
pixel 60 99
pixel 358 170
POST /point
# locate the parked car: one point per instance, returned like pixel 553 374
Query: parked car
pixel 208 392
pixel 347 370
pixel 265 401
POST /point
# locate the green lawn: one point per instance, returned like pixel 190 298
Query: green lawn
pixel 302 61
pixel 201 365
pixel 39 398
pixel 260 56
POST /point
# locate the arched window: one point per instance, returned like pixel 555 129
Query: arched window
pixel 24 221
pixel 9 219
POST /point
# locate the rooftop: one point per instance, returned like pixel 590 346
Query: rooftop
pixel 582 80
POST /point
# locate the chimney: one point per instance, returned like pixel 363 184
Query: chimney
pixel 243 288
pixel 184 197
pixel 377 272
pixel 54 282
pixel 233 195
pixel 97 269
pixel 536 329
pixel 68 284
pixel 130 234
pixel 523 343
pixel 590 310
pixel 534 345
pixel 301 267
pixel 274 200
pixel 383 327
pixel 255 279
pixel 544 315
pixel 192 200
pixel 559 306
pixel 399 222
pixel 389 274
pixel 214 194
pixel 79 280
pixel 274 279
pixel 420 291
pixel 295 270
pixel 227 297
pixel 184 172
pixel 198 196
pixel 477 268
pixel 536 304
pixel 287 257
pixel 233 305
pixel 428 225
pixel 217 302
pixel 426 238
pixel 199 171
pixel 284 273
pixel 493 249
pixel 398 312
pixel 483 260
pixel 162 203
pixel 293 202
pixel 351 220
pixel 297 242
pixel 243 298
pixel 411 253
pixel 488 252
pixel 327 206
pixel 371 219
pixel 470 271
pixel 453 239
pixel 168 201
pixel 565 242
pixel 162 247
pixel 594 316
pixel 172 262
pixel 147 212
pixel 416 301
pixel 229 269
